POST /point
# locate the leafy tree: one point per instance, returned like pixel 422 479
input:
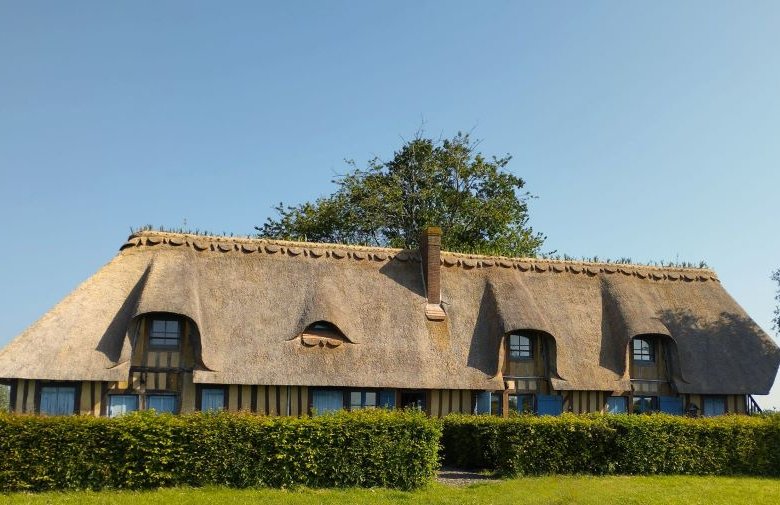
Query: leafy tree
pixel 479 205
pixel 776 321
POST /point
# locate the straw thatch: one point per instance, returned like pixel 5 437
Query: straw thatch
pixel 252 299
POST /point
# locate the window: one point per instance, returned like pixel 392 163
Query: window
pixel 644 350
pixel 161 403
pixel 58 400
pixel 212 399
pixel 413 400
pixel 322 326
pixel 714 406
pixel 165 332
pixel 520 347
pixel 645 404
pixel 495 404
pixel 363 399
pixel 121 404
pixel 617 405
pixel 524 404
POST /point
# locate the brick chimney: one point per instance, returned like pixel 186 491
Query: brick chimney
pixel 430 252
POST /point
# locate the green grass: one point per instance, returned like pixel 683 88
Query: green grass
pixel 521 491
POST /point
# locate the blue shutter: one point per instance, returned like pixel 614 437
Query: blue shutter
pixel 714 406
pixel 327 400
pixel 122 404
pixel 483 402
pixel 549 405
pixel 387 398
pixel 671 405
pixel 212 399
pixel 57 401
pixel 161 403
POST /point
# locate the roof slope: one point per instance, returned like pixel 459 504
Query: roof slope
pixel 251 299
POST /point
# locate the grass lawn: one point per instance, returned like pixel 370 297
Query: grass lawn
pixel 539 490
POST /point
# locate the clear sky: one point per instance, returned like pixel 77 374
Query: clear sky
pixel 648 130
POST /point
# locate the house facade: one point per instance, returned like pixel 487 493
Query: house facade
pixel 180 323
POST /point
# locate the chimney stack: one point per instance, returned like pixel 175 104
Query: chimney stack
pixel 430 252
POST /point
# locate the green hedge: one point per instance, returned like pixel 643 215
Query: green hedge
pixel 144 450
pixel 614 444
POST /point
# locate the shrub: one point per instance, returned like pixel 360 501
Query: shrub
pixel 616 444
pixel 144 450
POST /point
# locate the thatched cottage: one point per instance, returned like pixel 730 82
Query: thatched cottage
pixel 179 322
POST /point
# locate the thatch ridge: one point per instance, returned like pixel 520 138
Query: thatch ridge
pixel 219 243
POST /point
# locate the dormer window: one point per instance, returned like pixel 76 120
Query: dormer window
pixel 322 334
pixel 165 332
pixel 644 350
pixel 520 346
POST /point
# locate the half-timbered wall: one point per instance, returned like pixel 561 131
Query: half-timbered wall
pixel 92 399
pixel 450 401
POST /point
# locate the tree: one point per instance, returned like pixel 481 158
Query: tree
pixel 480 206
pixel 776 320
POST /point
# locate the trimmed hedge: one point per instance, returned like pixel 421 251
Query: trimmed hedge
pixel 614 444
pixel 144 450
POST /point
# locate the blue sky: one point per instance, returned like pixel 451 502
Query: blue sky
pixel 647 130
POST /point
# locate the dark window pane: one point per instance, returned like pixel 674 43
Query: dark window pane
pixel 520 346
pixel 644 404
pixel 513 405
pixel 495 404
pixel 165 333
pixel 526 404
pixel 643 350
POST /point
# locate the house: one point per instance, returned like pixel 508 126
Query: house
pixel 179 322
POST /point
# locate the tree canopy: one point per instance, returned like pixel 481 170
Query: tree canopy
pixel 480 206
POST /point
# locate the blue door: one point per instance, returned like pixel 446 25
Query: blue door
pixel 549 405
pixel 483 402
pixel 327 400
pixel 671 405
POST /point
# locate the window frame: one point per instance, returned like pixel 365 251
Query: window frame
pixel 56 384
pixel 520 400
pixel 111 396
pixel 653 404
pixel 166 317
pixel 524 352
pixel 648 358
pixel 348 398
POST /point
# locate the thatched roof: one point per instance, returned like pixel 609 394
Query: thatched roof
pixel 251 299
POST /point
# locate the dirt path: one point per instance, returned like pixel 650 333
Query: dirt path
pixel 456 477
